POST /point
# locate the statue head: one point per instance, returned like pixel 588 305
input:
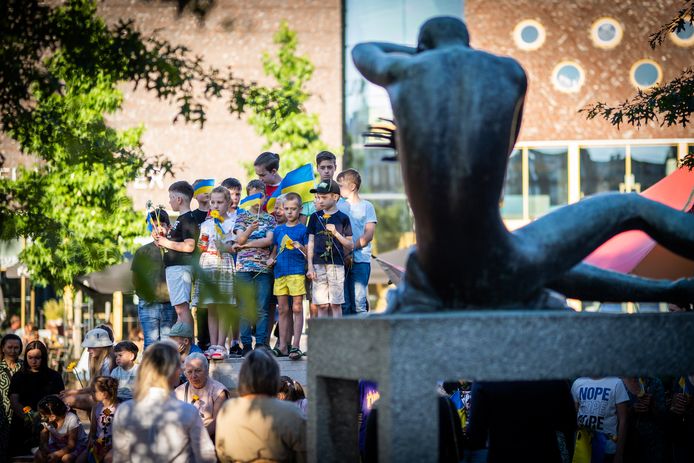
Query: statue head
pixel 442 30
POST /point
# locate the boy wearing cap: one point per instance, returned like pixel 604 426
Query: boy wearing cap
pixel 329 241
pixel 182 334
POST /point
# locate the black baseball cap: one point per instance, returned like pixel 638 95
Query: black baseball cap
pixel 326 186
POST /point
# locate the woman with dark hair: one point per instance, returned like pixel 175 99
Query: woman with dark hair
pixel 10 349
pixel 257 425
pixel 28 386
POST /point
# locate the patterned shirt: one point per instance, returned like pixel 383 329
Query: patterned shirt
pixel 254 259
pixel 6 374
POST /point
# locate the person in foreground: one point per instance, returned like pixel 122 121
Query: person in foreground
pixel 155 427
pixel 257 425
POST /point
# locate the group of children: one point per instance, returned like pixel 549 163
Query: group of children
pixel 237 262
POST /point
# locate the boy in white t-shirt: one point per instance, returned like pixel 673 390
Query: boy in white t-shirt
pixel 602 405
pixel 126 371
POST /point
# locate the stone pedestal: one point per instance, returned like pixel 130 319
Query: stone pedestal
pixel 407 354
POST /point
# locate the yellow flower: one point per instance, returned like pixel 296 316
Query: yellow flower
pixel 326 216
pixel 289 244
pixel 71 366
pixel 214 213
pixel 26 409
pixel 195 398
pixel 107 412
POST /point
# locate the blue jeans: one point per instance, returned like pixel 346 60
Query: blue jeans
pixel 156 319
pixel 356 289
pixel 253 296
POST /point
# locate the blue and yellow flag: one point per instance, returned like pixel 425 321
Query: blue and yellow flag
pixel 250 201
pixel 203 186
pixel 218 221
pixel 150 225
pixel 299 181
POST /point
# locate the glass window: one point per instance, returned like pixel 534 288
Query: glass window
pixel 548 179
pixel 529 35
pixel 602 169
pixel 385 21
pixel 606 33
pixel 685 36
pixel 512 200
pixel 649 164
pixel 568 77
pixel 645 74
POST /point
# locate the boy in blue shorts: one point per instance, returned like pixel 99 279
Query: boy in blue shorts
pixel 289 258
pixel 329 241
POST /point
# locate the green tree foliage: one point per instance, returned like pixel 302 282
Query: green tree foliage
pixel 277 113
pixel 59 71
pixel 669 104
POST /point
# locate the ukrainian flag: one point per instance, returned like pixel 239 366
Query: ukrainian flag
pixel 203 186
pixel 299 181
pixel 250 201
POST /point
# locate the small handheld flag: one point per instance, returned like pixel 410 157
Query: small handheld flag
pixel 250 201
pixel 218 221
pixel 203 186
pixel 150 225
pixel 299 181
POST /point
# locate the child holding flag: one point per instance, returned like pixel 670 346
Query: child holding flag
pixel 329 241
pixel 201 193
pixel 216 268
pixel 289 259
pixel 253 275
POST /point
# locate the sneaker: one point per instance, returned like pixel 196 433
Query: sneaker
pixel 235 351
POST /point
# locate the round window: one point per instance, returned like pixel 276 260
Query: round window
pixel 685 36
pixel 568 77
pixel 645 74
pixel 529 35
pixel 606 33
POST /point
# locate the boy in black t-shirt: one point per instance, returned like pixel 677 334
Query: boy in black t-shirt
pixel 201 193
pixel 329 241
pixel 180 244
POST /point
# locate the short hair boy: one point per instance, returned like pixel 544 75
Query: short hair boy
pixel 126 370
pixel 266 166
pixel 289 259
pixel 180 243
pixel 363 219
pixel 329 242
pixel 234 187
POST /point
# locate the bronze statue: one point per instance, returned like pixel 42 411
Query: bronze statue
pixel 458 113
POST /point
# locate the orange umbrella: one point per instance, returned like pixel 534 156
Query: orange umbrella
pixel 637 253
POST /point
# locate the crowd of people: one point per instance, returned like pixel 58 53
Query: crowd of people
pixel 244 267
pixel 219 281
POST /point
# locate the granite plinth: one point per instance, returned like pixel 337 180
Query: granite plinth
pixel 407 354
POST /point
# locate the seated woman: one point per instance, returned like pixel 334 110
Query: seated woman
pixel 257 425
pixel 201 391
pixel 99 344
pixel 27 387
pixel 155 426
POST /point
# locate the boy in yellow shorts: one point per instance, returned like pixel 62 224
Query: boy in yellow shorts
pixel 289 258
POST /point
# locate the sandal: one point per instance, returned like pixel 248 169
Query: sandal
pixel 277 352
pixel 295 353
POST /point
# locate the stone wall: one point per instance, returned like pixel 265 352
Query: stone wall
pixel 552 115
